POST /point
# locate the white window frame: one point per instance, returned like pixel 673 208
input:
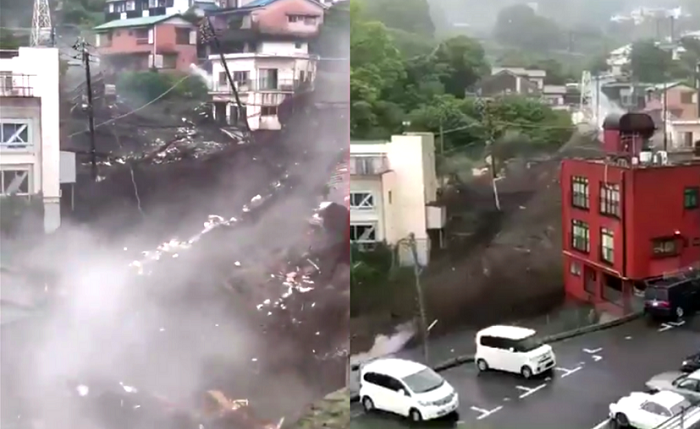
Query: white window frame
pixel 21 146
pixel 607 245
pixel 373 230
pixel 367 202
pixel 18 168
pixel 130 5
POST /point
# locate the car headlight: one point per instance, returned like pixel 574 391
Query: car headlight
pixel 685 362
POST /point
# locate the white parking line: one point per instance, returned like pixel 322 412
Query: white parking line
pixel 594 351
pixel 529 390
pixel 665 327
pixel 602 424
pixel 485 413
pixel 567 372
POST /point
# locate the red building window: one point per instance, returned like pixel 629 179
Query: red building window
pixel 610 199
pixel 691 197
pixel 664 247
pixel 607 246
pixel 580 236
pixel 580 193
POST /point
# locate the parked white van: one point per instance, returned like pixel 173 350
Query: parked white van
pixel 513 349
pixel 406 388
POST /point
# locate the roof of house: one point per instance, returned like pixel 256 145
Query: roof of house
pixel 206 5
pixel 136 22
pixel 520 71
pixel 255 4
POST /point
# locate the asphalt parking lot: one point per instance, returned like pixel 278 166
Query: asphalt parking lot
pixel 592 371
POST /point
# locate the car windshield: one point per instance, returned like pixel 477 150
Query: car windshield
pixel 424 381
pixel 679 407
pixel 654 293
pixel 528 343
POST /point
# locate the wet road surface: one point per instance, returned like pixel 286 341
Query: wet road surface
pixel 592 371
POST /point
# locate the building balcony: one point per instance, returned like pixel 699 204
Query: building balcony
pixel 262 85
pixel 16 84
pixel 375 165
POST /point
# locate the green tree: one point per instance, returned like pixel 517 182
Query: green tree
pixel 649 63
pixel 10 41
pixel 462 62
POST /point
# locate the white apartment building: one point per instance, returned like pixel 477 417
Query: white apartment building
pixel 265 76
pixel 30 157
pixel 392 185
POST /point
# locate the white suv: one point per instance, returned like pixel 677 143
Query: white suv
pixel 513 349
pixel 406 388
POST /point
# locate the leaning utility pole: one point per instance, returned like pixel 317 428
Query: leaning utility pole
pixel 419 295
pixel 82 46
pixel 208 34
pixel 490 143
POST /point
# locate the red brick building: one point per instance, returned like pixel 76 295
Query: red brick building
pixel 628 217
pixel 134 43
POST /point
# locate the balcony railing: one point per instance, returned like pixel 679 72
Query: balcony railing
pixel 16 85
pixel 142 41
pixel 262 85
pixel 369 165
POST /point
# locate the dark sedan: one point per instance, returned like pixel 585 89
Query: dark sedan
pixel 691 363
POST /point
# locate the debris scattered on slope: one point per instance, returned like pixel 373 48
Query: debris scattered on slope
pixel 333 411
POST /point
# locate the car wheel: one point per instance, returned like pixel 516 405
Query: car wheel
pixel 679 312
pixel 482 365
pixel 415 415
pixel 621 420
pixel 526 372
pixel 367 404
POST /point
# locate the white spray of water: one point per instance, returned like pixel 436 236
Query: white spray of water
pixel 385 345
pixel 197 70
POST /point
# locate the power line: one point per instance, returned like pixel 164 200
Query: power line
pixel 138 108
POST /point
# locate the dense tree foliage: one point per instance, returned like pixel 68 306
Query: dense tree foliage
pixel 429 90
pixel 654 63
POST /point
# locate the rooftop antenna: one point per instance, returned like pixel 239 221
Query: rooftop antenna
pixel 41 24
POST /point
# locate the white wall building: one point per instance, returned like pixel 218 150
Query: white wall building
pixel 391 186
pixel 30 156
pixel 265 76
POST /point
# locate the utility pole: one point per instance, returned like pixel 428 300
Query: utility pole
pixel 673 30
pixel 490 143
pixel 665 115
pixel 697 86
pixel 82 46
pixel 598 122
pixel 419 295
pixel 208 34
pixel 442 139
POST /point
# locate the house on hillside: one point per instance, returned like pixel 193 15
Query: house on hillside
pixel 681 99
pixel 266 45
pixel 167 42
pixel 507 82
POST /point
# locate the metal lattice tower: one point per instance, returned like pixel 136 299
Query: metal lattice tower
pixel 41 23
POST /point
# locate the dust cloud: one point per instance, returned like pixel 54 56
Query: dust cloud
pixel 230 300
